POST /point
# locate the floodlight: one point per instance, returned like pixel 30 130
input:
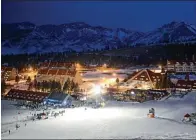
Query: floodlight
pixel 132 92
pixel 97 89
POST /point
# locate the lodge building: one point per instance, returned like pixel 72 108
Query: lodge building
pixel 186 84
pixel 181 66
pixel 8 73
pixel 26 95
pixel 144 79
pixel 59 72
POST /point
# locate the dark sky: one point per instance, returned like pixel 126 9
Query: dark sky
pixel 142 16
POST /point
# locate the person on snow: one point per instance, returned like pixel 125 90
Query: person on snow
pixel 152 109
pixel 17 126
pixel 151 112
pixel 25 124
pixel 9 131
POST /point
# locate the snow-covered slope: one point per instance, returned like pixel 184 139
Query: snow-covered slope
pixel 118 120
pixel 173 32
pixel 28 38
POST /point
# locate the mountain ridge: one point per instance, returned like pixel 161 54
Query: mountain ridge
pixel 26 37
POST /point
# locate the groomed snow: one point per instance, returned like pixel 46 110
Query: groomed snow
pixel 117 120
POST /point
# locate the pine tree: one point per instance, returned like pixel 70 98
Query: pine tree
pixel 17 79
pixel 53 85
pixel 38 87
pixel 72 85
pixel 42 86
pixel 117 82
pixel 28 79
pixel 65 87
pixel 50 85
pixel 3 86
pixel 59 86
pixel 76 89
pixel 47 86
pixel 164 80
pixel 68 85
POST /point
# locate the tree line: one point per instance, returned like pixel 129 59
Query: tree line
pixel 158 54
pixel 164 82
pixel 48 86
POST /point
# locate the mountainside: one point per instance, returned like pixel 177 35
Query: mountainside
pixel 170 33
pixel 27 37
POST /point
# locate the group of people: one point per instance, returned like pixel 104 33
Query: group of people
pixel 17 126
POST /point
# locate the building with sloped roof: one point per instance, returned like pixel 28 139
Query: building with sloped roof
pixel 59 98
pixel 144 79
pixel 181 66
pixel 186 84
pixel 26 95
pixel 8 73
pixel 58 74
pixel 58 71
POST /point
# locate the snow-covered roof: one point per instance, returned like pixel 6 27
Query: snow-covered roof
pixel 174 62
pixel 26 95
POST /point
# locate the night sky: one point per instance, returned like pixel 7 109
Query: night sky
pixel 142 16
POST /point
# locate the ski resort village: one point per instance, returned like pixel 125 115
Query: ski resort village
pixel 98 70
pixel 99 101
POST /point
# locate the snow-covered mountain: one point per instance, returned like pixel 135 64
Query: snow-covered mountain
pixel 174 32
pixel 78 36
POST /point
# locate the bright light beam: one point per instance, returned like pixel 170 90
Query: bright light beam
pixel 97 89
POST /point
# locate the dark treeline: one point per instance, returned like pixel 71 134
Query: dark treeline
pixel 122 56
pixel 48 86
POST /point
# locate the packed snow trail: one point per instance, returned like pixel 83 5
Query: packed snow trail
pixel 117 120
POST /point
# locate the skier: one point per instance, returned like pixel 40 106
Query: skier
pixel 25 124
pixel 17 126
pixel 152 109
pixel 151 113
pixel 9 131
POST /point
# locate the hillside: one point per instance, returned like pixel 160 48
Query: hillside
pixel 117 120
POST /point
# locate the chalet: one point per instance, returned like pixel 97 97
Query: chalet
pixel 186 84
pixel 58 74
pixel 8 73
pixel 144 79
pixel 26 95
pixel 181 66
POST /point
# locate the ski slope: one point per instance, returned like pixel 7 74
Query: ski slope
pixel 117 120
